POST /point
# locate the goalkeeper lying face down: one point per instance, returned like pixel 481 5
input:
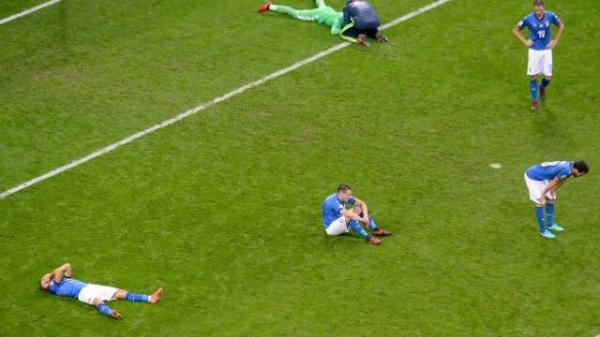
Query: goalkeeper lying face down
pixel 357 21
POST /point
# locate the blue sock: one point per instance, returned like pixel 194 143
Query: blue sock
pixel 132 297
pixel 104 309
pixel 372 225
pixel 539 214
pixel 533 87
pixel 549 214
pixel 358 229
pixel 545 83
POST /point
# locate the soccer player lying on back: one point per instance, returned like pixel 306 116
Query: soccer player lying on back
pixel 59 282
pixel 337 219
pixel 542 181
pixel 357 21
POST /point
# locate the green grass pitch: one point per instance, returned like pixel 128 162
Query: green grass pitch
pixel 223 209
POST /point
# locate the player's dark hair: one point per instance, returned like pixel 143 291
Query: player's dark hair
pixel 538 2
pixel 343 187
pixel 581 166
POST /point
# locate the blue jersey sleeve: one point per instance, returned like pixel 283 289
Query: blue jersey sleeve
pixel 523 23
pixel 52 287
pixel 554 19
pixel 564 173
pixel 334 206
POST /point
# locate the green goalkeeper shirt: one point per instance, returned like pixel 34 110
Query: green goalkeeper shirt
pixel 329 17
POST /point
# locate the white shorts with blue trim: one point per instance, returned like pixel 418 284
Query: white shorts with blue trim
pixel 540 62
pixel 536 189
pixel 92 291
pixel 337 227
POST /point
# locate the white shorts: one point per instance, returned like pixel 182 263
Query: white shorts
pixel 540 62
pixel 337 227
pixel 93 291
pixel 536 188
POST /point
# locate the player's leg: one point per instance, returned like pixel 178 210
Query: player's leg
pixel 377 231
pixel 550 200
pixel 533 90
pixel 358 229
pixel 105 309
pixel 534 68
pixel 536 191
pixel 135 297
pixel 547 72
pixel 320 3
pixel 304 15
pixel 545 83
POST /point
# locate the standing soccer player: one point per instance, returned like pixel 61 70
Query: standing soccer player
pixel 540 44
pixel 542 181
pixel 338 220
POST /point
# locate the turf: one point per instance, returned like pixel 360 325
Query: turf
pixel 222 209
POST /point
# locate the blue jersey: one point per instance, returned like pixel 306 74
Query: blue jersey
pixel 362 14
pixel 67 287
pixel 332 206
pixel 550 170
pixel 539 29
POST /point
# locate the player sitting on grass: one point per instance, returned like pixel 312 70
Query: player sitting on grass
pixel 59 282
pixel 540 44
pixel 357 22
pixel 542 181
pixel 337 219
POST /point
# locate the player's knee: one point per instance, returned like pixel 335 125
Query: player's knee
pixel 534 77
pixel 97 301
pixel 120 294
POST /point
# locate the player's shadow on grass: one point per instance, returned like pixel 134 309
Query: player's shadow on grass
pixel 342 239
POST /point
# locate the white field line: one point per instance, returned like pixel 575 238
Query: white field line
pixel 28 11
pixel 208 104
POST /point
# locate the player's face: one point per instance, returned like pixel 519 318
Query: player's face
pixel 539 11
pixel 345 195
pixel 45 283
pixel 576 173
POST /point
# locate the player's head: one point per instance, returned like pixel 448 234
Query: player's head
pixel 538 7
pixel 344 192
pixel 45 282
pixel 580 168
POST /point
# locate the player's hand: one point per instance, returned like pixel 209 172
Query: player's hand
pixel 362 40
pixel 542 200
pixel 382 38
pixel 115 314
pixel 529 43
pixel 552 44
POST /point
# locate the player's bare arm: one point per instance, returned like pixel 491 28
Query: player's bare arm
pixel 350 215
pixel 554 183
pixel 65 269
pixel 364 209
pixel 46 278
pixel 517 33
pixel 560 183
pixel 554 42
